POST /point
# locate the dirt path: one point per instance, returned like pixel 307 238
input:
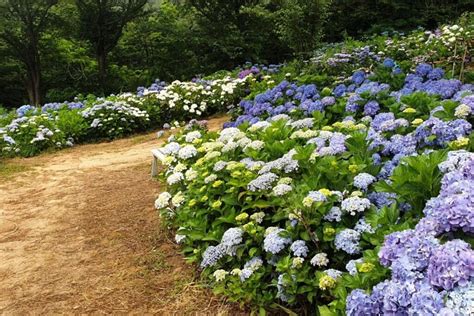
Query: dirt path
pixel 79 234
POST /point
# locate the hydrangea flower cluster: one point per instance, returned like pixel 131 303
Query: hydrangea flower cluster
pixel 427 275
pixel 348 240
pixel 274 243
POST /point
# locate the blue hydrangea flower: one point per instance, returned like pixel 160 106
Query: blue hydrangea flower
pixel 262 182
pixel 212 255
pixel 358 303
pixel 388 63
pixel 363 180
pixel 334 214
pixel 274 243
pixel 299 248
pixel 371 108
pixel 348 240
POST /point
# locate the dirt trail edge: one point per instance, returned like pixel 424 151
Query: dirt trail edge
pixel 79 234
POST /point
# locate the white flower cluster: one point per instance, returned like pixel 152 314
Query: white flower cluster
pixel 175 178
pixel 195 97
pixel 286 163
pixel 191 136
pixel 187 152
pixel 320 260
pixel 355 204
pixel 163 200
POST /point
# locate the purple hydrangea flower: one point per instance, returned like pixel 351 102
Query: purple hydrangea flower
pixel 451 264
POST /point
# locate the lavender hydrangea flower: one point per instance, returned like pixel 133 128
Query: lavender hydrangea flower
pixel 262 182
pixel 381 199
pixel 299 248
pixel 231 238
pixel 371 108
pixel 425 301
pixel 417 248
pixel 212 255
pixel 274 243
pixel 451 264
pixel 388 63
pixel 245 273
pixel 363 180
pixel 348 241
pixel 459 301
pixel 423 69
pixel 250 267
pixel 358 303
pixel 363 227
pixel 358 77
pixel 334 214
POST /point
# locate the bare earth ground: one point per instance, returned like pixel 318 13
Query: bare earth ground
pixel 79 234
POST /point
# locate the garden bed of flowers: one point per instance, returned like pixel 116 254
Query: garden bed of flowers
pixel 353 198
pixel 30 130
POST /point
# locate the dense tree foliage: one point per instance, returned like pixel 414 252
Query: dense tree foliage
pixel 23 24
pixel 102 23
pixel 53 50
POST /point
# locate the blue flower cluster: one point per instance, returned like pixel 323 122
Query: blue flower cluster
pixel 274 243
pixel 424 270
pixel 282 99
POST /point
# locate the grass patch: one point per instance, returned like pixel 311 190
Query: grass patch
pixel 140 139
pixel 8 170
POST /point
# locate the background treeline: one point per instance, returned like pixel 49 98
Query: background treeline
pixel 53 50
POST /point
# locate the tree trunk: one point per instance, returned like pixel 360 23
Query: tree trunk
pixel 33 80
pixel 102 61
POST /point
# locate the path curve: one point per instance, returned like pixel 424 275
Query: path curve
pixel 78 234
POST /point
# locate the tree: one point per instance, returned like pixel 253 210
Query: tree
pixel 23 22
pixel 235 31
pixel 102 23
pixel 300 24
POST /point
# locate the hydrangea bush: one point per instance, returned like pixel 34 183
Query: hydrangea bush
pixel 116 115
pixel 309 197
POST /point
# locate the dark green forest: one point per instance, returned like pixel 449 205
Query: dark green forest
pixel 54 50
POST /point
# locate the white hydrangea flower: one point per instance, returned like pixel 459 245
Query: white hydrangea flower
pixel 179 238
pixel 229 146
pixel 244 142
pixel 462 111
pixel 175 178
pixel 211 155
pixel 210 179
pixel 256 144
pixel 163 200
pixel 355 204
pixel 261 125
pixel 257 217
pixel 191 174
pixel 178 199
pixel 180 167
pixel 220 275
pixel 320 260
pixel 191 136
pixel 187 152
pixel 281 189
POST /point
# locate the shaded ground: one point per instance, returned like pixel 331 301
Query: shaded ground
pixel 79 234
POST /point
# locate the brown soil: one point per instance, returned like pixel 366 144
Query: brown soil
pixel 79 235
